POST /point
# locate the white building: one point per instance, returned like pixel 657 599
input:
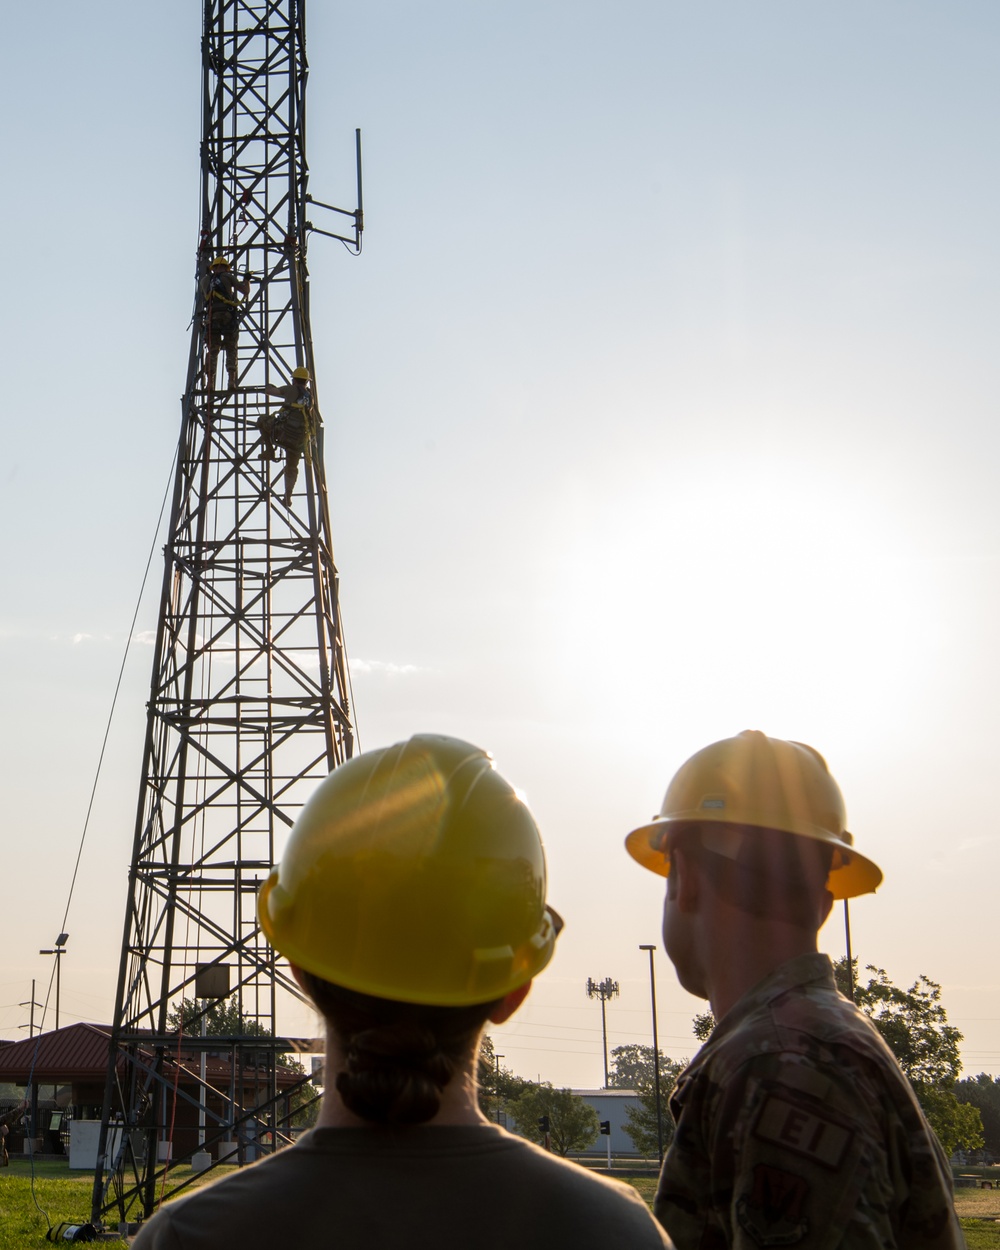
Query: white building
pixel 610 1104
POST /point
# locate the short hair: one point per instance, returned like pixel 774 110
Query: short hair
pixel 398 1057
pixel 767 873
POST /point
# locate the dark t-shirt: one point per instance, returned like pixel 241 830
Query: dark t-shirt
pixel 424 1188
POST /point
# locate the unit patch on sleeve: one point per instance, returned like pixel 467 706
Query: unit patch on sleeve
pixel 785 1124
pixel 771 1211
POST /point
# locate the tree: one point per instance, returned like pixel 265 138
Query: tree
pixel 224 1019
pixel 573 1124
pixel 632 1067
pixel 498 1087
pixel 914 1025
pixel 703 1025
pixel 958 1125
pixel 983 1093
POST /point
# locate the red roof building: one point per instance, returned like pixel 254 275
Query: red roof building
pixel 65 1071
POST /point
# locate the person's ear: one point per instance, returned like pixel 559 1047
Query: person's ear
pixel 507 1005
pixel 687 884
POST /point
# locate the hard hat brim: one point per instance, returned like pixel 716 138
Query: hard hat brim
pixel 852 873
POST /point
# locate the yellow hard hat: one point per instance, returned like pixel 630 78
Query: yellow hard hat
pixel 220 262
pixel 301 373
pixel 763 782
pixel 414 873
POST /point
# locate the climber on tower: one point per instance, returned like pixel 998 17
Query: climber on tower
pixel 221 290
pixel 290 428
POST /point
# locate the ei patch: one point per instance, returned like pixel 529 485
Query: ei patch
pixel 803 1132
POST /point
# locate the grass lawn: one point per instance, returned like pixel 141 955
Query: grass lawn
pixel 63 1194
pixel 980 1236
pixel 979 1209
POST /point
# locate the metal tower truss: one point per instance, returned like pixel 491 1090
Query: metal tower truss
pixel 248 704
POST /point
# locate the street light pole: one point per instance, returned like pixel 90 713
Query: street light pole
pixel 496 1060
pixel 656 1052
pixel 850 953
pixel 59 950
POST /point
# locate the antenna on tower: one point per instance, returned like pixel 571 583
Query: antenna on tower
pixel 358 214
pixel 604 990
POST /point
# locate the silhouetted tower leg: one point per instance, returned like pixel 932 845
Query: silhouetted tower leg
pixel 248 703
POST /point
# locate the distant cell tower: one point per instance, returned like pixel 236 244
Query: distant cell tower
pixel 604 990
pixel 248 704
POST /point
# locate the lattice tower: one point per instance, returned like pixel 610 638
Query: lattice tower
pixel 248 703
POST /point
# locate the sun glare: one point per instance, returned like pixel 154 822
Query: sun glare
pixel 748 588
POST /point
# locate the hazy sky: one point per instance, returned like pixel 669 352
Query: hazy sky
pixel 662 404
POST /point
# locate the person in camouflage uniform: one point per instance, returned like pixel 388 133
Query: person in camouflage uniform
pixel 795 1126
pixel 291 428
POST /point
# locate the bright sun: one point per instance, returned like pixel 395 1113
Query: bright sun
pixel 751 591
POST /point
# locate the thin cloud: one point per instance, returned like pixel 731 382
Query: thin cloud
pixel 19 635
pixel 385 667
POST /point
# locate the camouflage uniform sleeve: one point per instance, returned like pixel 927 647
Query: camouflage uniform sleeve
pixel 821 1158
pixel 799 1166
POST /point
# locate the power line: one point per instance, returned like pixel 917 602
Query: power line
pixel 114 699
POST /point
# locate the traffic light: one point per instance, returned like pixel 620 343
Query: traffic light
pixel 606 1127
pixel 543 1123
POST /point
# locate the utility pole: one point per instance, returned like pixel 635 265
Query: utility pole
pixel 656 1052
pixel 604 990
pixel 248 706
pixel 32 1004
